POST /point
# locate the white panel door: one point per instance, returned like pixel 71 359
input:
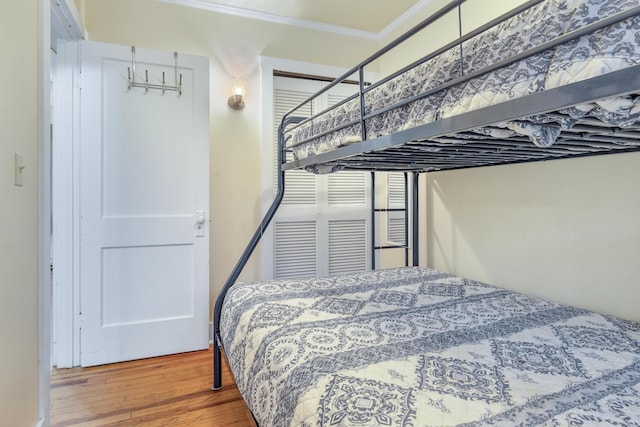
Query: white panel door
pixel 144 188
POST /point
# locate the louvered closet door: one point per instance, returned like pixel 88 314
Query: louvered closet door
pixel 395 200
pixel 347 219
pixel 322 225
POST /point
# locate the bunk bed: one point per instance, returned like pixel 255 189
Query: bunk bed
pixel 551 79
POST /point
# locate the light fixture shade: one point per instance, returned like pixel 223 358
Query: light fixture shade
pixel 238 88
pixel 238 91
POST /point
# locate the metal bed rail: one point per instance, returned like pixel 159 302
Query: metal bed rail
pixel 359 69
pixel 496 115
pixel 244 258
pixel 402 144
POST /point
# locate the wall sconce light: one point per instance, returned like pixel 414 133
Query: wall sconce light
pixel 238 91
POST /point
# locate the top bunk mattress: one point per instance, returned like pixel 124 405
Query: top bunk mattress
pixel 611 48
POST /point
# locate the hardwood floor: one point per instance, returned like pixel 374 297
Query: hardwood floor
pixel 164 391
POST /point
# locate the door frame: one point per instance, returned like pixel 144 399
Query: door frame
pixel 60 21
pixel 65 234
pixel 44 211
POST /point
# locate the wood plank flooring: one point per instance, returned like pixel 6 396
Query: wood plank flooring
pixel 164 391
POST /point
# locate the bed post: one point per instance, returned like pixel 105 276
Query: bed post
pixel 217 309
pixel 415 200
pixel 406 219
pixel 373 220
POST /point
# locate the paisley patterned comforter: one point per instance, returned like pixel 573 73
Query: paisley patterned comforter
pixel 417 347
pixel 610 49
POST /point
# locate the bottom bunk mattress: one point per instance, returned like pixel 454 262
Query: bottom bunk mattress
pixel 418 347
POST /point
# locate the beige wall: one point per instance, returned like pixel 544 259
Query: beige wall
pixel 234 46
pixel 566 230
pixel 80 6
pixel 19 215
pixel 473 14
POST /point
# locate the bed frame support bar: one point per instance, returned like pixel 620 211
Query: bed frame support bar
pixel 414 229
pixel 217 340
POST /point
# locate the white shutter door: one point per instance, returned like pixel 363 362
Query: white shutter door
pixel 347 198
pixel 321 225
pixel 296 222
pixel 295 254
pixel 347 246
pixel 395 230
pixel 300 189
pixel 395 199
pixel 300 186
pixel 395 184
pixel 347 188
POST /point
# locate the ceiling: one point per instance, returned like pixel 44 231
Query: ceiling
pixel 360 18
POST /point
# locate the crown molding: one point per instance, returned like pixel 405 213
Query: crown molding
pixel 402 19
pixel 313 25
pixel 276 19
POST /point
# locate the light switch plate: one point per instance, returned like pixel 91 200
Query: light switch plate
pixel 19 169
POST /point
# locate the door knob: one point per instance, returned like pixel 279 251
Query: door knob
pixel 200 220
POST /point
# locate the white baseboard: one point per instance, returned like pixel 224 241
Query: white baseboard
pixel 210 332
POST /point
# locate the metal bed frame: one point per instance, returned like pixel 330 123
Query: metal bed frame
pixel 413 150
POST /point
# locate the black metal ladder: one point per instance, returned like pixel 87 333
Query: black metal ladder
pixel 405 209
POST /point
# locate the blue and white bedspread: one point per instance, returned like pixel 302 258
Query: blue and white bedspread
pixel 417 347
pixel 612 48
